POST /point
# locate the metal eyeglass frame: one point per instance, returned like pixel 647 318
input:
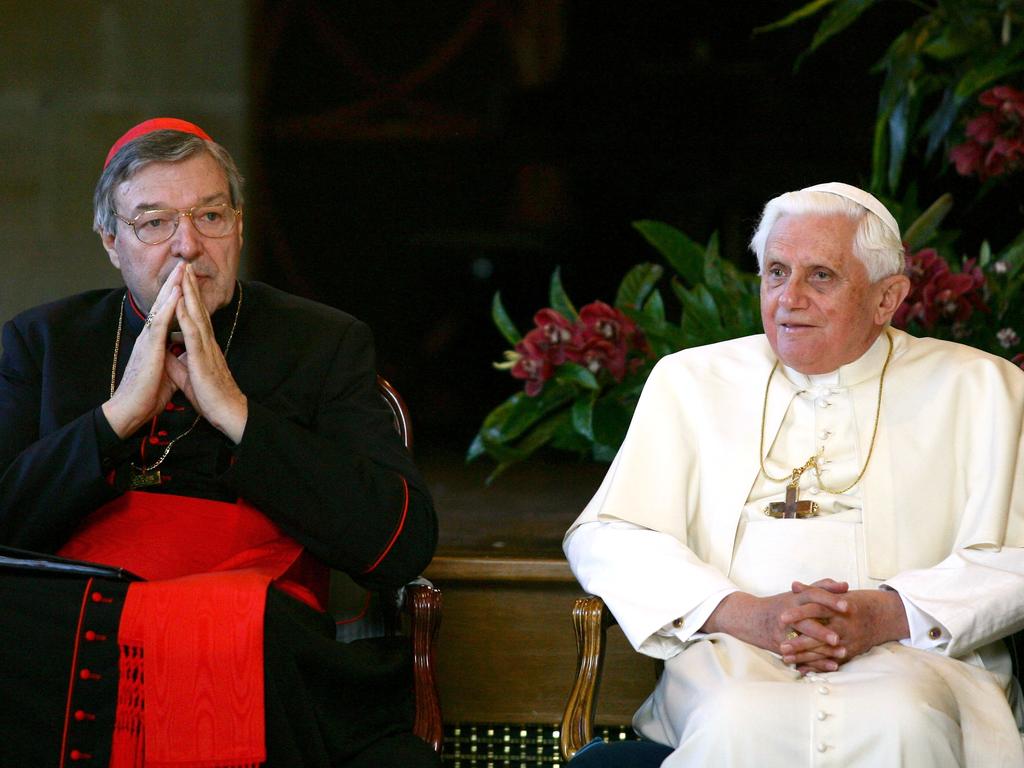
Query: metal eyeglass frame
pixel 177 220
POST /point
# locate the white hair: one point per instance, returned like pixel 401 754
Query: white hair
pixel 874 242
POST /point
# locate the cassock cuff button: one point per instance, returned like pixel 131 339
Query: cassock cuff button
pixel 934 633
pixel 677 623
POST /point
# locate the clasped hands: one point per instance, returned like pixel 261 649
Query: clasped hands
pixel 153 374
pixel 833 623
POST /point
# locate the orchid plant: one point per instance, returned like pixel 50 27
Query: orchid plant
pixel 952 83
pixel 583 370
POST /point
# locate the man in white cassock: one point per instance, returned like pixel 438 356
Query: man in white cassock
pixel 819 529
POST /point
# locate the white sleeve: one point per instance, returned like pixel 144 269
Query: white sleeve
pixel 970 599
pixel 658 590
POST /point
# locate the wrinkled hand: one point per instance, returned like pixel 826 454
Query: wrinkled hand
pixel 145 387
pixel 759 620
pixel 833 632
pixel 201 372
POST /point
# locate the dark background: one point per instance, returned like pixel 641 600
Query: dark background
pixel 413 158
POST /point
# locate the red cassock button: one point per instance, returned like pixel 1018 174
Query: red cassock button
pixel 81 715
pixel 78 755
pixel 88 674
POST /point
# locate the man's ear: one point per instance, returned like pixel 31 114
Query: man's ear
pixel 108 238
pixel 894 290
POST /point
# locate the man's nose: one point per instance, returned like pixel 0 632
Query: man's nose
pixel 794 295
pixel 186 242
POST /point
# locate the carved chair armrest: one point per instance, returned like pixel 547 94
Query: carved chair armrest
pixel 590 619
pixel 423 605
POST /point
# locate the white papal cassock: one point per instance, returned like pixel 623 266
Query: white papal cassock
pixel 938 516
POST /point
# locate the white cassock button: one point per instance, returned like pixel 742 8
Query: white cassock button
pixel 824 434
pixel 823 690
pixel 813 491
pixel 822 747
pixel 821 714
pixel 823 403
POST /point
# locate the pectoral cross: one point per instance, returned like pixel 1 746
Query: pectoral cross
pixel 141 478
pixel 791 509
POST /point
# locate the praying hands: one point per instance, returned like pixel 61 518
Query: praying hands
pixel 153 374
pixel 202 372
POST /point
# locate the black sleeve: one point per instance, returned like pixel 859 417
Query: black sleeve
pixel 48 482
pixel 343 485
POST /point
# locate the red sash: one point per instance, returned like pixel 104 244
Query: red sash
pixel 190 693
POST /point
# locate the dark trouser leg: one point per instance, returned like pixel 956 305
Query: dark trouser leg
pixel 330 703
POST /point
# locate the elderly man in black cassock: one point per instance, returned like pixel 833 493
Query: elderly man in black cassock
pixel 225 442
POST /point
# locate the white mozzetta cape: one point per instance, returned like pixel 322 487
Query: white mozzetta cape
pixel 947 470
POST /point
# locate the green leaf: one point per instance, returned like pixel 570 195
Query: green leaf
pixel 493 428
pixel 530 410
pixel 682 253
pixel 941 120
pixel 529 444
pixel 898 139
pixel 1013 255
pixel 984 254
pixel 654 307
pixel 582 415
pixel 842 15
pixel 574 373
pixel 798 15
pixel 520 412
pixel 476 449
pixel 637 284
pixel 604 453
pixel 610 421
pixel 1006 62
pixel 700 314
pixel 501 451
pixel 713 264
pixel 559 298
pixel 878 153
pixel 956 40
pixel 920 233
pixel 503 321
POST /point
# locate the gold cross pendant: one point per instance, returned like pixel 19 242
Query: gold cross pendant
pixel 141 478
pixel 791 508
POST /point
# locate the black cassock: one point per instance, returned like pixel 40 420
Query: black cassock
pixel 319 457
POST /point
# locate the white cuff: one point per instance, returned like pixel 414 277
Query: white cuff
pixel 926 632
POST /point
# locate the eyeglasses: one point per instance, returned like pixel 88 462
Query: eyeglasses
pixel 154 227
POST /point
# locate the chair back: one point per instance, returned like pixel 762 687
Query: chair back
pixel 399 410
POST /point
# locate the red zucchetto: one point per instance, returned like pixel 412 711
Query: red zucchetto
pixel 155 124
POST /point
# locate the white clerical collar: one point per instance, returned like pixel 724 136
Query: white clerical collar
pixel 867 366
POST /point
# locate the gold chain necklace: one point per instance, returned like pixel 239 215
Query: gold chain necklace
pixel 794 478
pixel 146 476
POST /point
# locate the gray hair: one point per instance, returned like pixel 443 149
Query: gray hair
pixel 874 243
pixel 163 146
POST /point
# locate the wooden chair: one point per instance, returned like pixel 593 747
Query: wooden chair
pixel 420 604
pixel 591 619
